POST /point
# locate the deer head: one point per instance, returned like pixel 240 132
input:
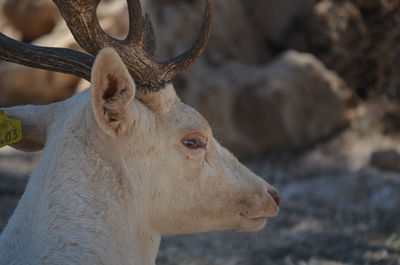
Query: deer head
pixel 162 151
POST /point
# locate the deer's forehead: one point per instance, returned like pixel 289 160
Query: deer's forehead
pixel 185 118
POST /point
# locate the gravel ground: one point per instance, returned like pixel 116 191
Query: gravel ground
pixel 336 210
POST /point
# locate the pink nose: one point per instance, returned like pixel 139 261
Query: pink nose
pixel 275 195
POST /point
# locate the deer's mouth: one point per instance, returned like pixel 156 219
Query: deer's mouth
pixel 251 223
pixel 255 218
pixel 258 219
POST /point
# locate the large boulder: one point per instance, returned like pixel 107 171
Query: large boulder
pixel 386 160
pixel 384 53
pixel 368 4
pixel 177 24
pixel 24 85
pixel 374 5
pixel 33 18
pixel 5 26
pixel 289 104
pixel 358 39
pixel 277 19
pixel 337 41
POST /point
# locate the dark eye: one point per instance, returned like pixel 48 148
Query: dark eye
pixel 193 143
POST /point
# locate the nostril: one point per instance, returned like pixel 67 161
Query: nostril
pixel 275 196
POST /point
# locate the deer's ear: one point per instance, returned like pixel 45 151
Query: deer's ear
pixel 112 92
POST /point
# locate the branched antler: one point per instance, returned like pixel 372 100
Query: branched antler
pixel 137 50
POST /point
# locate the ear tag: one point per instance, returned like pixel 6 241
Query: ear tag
pixel 10 130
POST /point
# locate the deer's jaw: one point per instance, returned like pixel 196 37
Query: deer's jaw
pixel 215 196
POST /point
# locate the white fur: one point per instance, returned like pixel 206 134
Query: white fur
pixel 106 195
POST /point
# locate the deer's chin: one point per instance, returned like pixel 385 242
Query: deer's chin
pixel 251 224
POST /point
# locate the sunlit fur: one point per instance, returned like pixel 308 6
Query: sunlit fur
pixel 114 177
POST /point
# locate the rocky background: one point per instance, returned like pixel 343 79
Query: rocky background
pixel 305 92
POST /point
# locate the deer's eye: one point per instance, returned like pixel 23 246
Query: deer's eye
pixel 193 143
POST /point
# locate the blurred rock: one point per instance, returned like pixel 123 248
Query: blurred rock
pixel 358 40
pixel 59 37
pixel 299 103
pixel 177 24
pixel 377 5
pixel 33 18
pixel 329 30
pixel 390 5
pixel 386 159
pixel 384 53
pixel 8 30
pixel 276 18
pixel 25 85
pixel 5 26
pixel 335 29
pixel 289 104
pixel 368 4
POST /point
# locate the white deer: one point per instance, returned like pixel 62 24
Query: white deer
pixel 124 162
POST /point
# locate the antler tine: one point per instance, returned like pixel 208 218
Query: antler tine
pixel 178 64
pixel 135 34
pixel 81 19
pixel 150 44
pixel 53 59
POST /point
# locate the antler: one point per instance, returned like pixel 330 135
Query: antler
pixel 137 50
pixel 53 59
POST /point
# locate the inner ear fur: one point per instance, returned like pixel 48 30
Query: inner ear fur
pixel 112 92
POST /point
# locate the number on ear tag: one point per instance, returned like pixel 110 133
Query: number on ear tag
pixel 10 130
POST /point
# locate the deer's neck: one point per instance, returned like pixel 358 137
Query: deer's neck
pixel 77 209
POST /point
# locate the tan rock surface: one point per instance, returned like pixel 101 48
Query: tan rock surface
pixel 33 18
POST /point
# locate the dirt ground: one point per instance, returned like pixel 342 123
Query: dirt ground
pixel 336 209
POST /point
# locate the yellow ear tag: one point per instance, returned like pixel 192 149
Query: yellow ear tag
pixel 10 130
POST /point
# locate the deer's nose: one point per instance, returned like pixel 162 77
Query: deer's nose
pixel 275 195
